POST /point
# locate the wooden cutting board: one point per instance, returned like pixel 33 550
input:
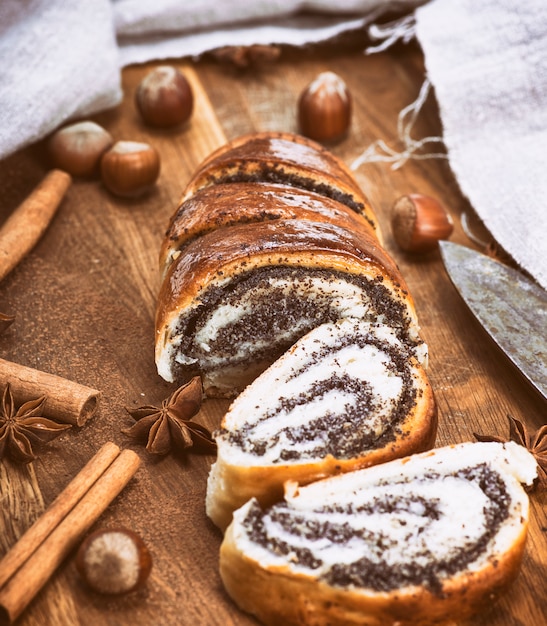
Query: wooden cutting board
pixel 84 302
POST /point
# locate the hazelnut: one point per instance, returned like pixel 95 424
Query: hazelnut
pixel 324 108
pixel 418 222
pixel 130 168
pixel 77 149
pixel 114 561
pixel 164 97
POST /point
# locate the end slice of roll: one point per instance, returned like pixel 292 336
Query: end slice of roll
pixel 236 298
pixel 427 539
pixel 347 395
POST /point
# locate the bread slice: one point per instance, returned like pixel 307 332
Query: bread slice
pixel 236 298
pixel 347 395
pixel 423 540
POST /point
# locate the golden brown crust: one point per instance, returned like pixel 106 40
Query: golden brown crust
pixel 278 596
pixel 222 233
pixel 249 138
pixel 225 205
pixel 291 243
pixel 284 158
pixel 230 486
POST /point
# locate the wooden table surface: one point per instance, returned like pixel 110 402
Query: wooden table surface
pixel 84 302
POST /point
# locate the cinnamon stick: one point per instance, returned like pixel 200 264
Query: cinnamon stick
pixel 67 401
pixel 66 521
pixel 26 225
pixel 58 509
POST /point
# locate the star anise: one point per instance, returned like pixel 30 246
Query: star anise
pixel 21 428
pixel 171 426
pixel 535 442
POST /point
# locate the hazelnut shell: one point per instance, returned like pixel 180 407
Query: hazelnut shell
pixel 324 108
pixel 77 148
pixel 113 561
pixel 418 222
pixel 130 168
pixel 164 97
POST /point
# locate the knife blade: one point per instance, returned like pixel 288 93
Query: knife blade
pixel 510 307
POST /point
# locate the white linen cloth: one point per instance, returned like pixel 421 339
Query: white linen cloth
pixel 58 59
pixel 488 63
pixel 165 28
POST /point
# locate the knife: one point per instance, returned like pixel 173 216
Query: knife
pixel 510 307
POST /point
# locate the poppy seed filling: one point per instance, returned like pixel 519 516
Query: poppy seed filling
pixel 263 312
pixel 276 173
pixel 344 432
pixel 393 535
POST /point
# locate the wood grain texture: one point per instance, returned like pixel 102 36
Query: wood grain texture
pixel 84 301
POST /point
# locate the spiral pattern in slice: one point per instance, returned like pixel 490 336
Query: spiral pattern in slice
pixel 436 532
pixel 346 395
pixel 237 298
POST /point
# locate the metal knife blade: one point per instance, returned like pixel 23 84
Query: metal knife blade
pixel 510 307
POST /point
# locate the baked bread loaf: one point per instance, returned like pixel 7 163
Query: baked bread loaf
pixel 423 540
pixel 347 395
pixel 272 238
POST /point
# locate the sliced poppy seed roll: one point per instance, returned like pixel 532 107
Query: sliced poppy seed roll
pixel 347 395
pixel 428 539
